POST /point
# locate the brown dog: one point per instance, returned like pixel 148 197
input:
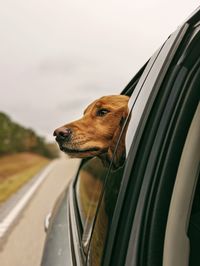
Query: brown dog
pixel 97 132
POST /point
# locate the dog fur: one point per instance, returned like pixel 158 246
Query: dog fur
pixel 97 132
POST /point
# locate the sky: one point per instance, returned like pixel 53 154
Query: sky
pixel 58 56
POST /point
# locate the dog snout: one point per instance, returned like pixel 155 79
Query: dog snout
pixel 62 134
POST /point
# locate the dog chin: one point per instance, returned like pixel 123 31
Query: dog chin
pixel 80 155
pixel 79 152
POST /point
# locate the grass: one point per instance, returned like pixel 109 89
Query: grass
pixel 16 170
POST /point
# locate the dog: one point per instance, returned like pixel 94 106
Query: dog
pixel 97 132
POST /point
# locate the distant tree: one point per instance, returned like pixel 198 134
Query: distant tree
pixel 5 134
pixel 15 138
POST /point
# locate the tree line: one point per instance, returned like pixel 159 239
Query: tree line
pixel 15 138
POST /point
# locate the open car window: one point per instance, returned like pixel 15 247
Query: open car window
pixel 88 190
pixel 96 180
pixel 90 184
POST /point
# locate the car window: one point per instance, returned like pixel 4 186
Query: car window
pixel 108 199
pixel 88 190
pixel 90 181
pixel 105 214
pixel 93 181
pixel 90 184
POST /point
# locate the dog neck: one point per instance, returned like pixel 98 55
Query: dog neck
pixel 107 159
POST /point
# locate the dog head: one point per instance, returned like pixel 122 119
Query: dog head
pixel 96 133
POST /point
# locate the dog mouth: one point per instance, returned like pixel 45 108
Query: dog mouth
pixel 75 150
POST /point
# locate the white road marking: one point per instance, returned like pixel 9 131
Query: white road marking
pixel 9 219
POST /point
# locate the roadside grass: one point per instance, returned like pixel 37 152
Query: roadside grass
pixel 16 170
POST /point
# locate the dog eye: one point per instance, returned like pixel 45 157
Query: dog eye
pixel 102 112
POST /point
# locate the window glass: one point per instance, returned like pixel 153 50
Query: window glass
pixel 104 216
pixel 93 172
pixel 107 205
pixel 90 182
pixel 88 190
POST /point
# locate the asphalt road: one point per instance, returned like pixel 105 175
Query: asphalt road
pixel 23 245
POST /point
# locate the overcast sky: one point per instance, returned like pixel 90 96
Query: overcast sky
pixel 58 56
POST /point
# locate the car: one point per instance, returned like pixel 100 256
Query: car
pixel 147 211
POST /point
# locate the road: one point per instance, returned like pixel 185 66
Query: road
pixel 23 245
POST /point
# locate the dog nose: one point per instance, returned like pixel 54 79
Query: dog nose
pixel 62 133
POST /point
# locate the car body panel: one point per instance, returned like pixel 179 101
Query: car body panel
pixel 58 246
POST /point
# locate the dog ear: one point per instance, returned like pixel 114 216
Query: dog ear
pixel 119 154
